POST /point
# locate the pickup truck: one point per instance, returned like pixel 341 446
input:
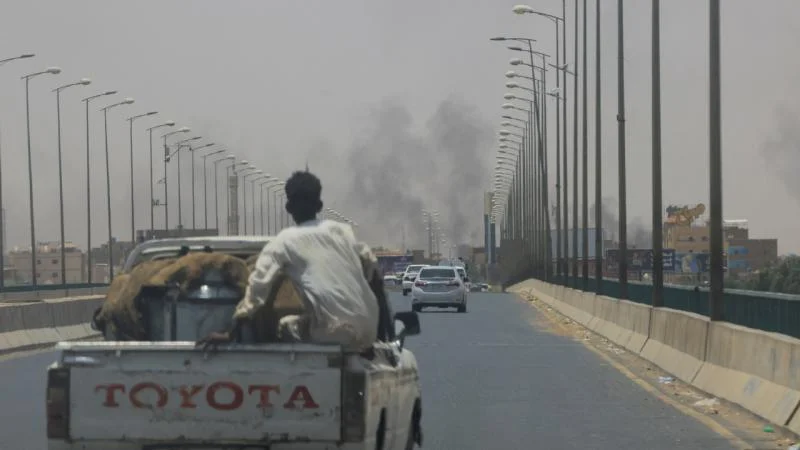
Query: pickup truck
pixel 168 394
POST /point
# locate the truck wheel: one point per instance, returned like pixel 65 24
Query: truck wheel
pixel 462 308
pixel 405 292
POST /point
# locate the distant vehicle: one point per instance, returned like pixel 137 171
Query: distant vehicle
pixel 166 393
pixel 439 287
pixel 464 277
pixel 409 276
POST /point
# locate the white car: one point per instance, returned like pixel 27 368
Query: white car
pixel 463 274
pixel 439 287
pixel 410 275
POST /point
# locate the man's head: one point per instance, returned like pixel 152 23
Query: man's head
pixel 303 196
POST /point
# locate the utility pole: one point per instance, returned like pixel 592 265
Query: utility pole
pixel 623 207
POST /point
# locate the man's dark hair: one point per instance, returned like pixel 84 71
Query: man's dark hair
pixel 303 195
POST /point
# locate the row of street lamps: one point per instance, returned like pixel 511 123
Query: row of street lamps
pixel 170 151
pixel 521 183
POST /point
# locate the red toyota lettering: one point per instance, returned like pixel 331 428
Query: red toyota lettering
pixel 110 401
pixel 263 392
pixel 301 393
pixel 235 403
pixel 158 389
pixel 222 396
pixel 187 394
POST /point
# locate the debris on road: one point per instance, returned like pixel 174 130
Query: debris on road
pixel 666 380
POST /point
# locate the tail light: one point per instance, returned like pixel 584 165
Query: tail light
pixel 57 405
pixel 419 283
pixel 454 283
pixel 354 406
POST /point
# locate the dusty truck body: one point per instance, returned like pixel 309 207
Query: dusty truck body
pixel 168 394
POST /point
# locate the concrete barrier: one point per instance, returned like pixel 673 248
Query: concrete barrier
pixel 35 325
pixel 757 370
pixel 677 342
pixel 13 297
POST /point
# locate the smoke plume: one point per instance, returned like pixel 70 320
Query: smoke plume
pixel 782 150
pixel 397 172
pixel 639 234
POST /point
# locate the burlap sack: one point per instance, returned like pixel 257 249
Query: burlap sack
pixel 118 312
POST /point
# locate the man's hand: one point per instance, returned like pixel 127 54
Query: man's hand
pixel 214 339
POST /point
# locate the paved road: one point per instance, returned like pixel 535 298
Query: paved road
pixel 491 380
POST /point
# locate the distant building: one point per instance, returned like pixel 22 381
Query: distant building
pixel 48 264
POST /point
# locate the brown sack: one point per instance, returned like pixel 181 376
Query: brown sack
pixel 188 271
pixel 119 311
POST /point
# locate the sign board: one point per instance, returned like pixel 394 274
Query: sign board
pixel 640 260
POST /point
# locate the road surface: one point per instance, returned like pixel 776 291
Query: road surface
pixel 492 379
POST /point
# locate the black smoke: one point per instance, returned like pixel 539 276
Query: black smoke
pixel 639 234
pixel 398 170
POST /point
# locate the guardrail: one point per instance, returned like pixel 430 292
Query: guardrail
pixel 779 313
pixel 50 291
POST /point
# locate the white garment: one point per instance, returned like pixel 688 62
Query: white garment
pixel 325 261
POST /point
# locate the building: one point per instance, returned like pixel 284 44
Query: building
pixel 48 264
pixel 745 254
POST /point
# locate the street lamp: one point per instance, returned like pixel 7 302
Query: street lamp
pixel 275 204
pixel 205 186
pixel 126 101
pixel 2 210
pixel 89 186
pixel 194 199
pixel 27 78
pixel 166 160
pixel 169 123
pixel 216 189
pixel 130 123
pixel 256 173
pixel 179 145
pixel 81 82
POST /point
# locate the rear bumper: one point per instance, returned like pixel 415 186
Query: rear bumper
pixel 111 445
pixel 444 299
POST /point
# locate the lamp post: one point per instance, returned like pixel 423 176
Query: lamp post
pixel 194 199
pixel 240 181
pixel 268 183
pixel 257 173
pixel 253 199
pixel 179 145
pixel 2 209
pixel 524 9
pixel 205 186
pixel 216 188
pixel 166 160
pixel 130 128
pixel 126 101
pixel 89 187
pixel 27 78
pixel 82 82
pixel 168 123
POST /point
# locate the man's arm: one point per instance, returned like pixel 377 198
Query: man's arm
pixel 369 265
pixel 262 281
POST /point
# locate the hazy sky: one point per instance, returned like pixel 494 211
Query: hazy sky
pixel 395 104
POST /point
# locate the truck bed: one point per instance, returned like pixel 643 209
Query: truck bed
pixel 172 392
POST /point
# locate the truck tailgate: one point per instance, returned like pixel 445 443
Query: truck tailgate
pixel 173 392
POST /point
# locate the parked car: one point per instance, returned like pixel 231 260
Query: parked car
pixel 439 287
